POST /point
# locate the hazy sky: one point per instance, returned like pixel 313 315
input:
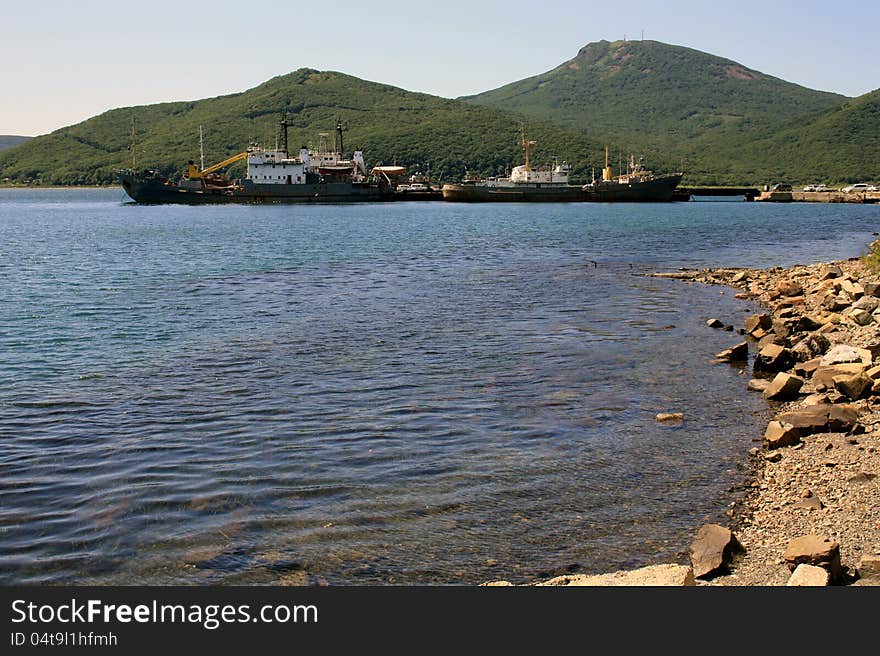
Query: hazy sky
pixel 63 62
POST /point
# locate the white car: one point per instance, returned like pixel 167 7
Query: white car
pixel 861 186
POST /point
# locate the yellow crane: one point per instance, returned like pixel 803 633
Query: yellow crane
pixel 195 174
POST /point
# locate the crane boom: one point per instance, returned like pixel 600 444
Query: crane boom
pixel 195 174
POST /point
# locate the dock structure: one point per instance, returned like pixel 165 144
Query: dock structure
pixel 818 197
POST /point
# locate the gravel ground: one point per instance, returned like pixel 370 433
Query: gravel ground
pixel 829 483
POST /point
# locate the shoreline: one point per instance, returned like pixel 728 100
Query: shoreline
pixel 816 337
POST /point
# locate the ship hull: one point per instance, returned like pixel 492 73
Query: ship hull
pixel 154 190
pixel 658 189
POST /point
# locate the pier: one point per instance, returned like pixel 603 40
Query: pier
pixel 833 196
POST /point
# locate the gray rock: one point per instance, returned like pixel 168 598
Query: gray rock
pixel 845 354
pixel 861 317
pixel 836 303
pixel 714 323
pixel 871 288
pixel 712 551
pixel 867 303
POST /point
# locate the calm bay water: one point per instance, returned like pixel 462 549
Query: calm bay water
pixel 410 393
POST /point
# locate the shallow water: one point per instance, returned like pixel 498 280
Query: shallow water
pixel 408 393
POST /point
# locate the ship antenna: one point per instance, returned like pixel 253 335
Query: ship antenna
pixel 284 132
pixel 133 152
pixel 339 130
pixel 201 150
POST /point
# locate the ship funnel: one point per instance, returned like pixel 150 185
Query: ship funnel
pixel 607 174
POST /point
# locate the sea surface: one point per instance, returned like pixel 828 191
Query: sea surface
pixel 416 393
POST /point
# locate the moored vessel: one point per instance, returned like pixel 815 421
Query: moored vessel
pixel 321 175
pixel 551 184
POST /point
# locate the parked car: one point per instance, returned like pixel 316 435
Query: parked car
pixel 860 187
pixel 810 188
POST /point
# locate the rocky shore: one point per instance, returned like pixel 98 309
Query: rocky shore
pixel 812 515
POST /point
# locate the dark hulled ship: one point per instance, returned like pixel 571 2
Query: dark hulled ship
pixel 322 175
pixel 551 184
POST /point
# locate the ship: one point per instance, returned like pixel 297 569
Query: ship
pixel 526 183
pixel 320 175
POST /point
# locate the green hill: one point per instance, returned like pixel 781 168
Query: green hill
pixel 390 124
pixel 671 103
pixel 9 140
pixel 839 145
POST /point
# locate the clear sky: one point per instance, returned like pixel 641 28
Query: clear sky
pixel 65 61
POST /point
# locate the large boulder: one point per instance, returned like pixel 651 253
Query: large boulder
pixel 823 376
pixel 784 387
pixel 712 551
pixel 814 550
pixel 780 434
pixel 869 569
pixel 867 303
pixel 853 387
pixel 773 358
pixel 821 419
pixel 758 321
pixel 806 369
pixel 861 317
pixel 845 354
pixel 852 289
pixel 836 303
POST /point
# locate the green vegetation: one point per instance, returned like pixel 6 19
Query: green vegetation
pixel 390 124
pixel 719 122
pixel 872 257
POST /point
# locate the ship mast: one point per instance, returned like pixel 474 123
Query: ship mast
pixel 339 130
pixel 526 144
pixel 201 150
pixel 133 134
pixel 284 133
pixel 607 174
